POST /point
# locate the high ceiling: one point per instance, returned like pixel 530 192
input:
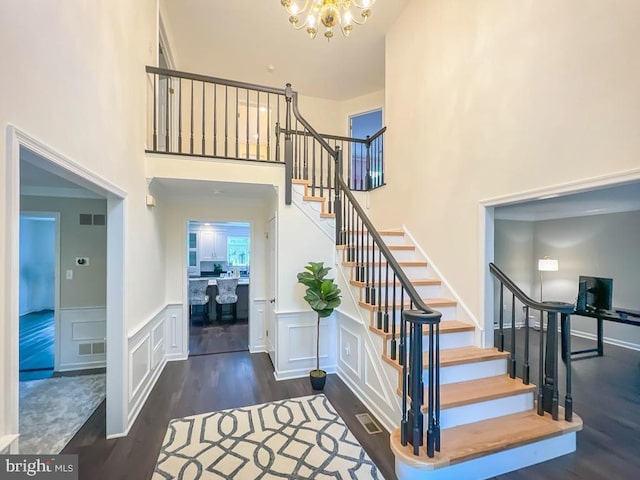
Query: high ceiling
pixel 239 39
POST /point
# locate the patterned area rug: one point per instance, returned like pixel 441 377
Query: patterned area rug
pixel 53 410
pixel 300 438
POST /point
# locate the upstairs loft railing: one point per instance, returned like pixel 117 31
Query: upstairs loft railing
pixel 548 396
pixel 198 115
pixel 389 293
pixel 363 169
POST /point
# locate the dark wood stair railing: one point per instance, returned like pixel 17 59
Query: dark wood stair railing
pixel 548 381
pixel 376 266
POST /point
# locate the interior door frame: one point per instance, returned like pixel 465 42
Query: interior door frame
pixel 56 313
pixel 117 358
pixel 273 282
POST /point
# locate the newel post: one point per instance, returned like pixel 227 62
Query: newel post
pixel 288 148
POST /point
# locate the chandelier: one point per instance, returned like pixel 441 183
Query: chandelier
pixel 327 14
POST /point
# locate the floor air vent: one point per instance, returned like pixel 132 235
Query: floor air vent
pixel 368 423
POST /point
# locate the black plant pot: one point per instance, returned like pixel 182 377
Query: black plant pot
pixel 318 379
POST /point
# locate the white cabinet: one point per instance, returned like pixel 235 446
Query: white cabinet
pixel 193 262
pixel 212 246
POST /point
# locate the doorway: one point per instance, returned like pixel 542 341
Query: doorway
pixel 360 126
pixel 219 272
pixel 65 170
pixel 39 290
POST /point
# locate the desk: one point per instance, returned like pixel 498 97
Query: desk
pixel 630 317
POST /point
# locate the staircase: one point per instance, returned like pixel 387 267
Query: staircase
pixel 462 412
pixel 489 421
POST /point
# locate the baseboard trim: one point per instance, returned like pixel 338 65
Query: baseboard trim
pixel 6 442
pixel 133 414
pixel 70 367
pixel 301 372
pixel 607 340
pixel 386 422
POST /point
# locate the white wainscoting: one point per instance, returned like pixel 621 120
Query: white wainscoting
pixel 83 337
pixel 257 326
pixel 296 344
pixel 147 358
pixel 360 367
pixel 176 344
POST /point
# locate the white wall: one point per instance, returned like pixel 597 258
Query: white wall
pixel 485 99
pixel 78 84
pixel 37 264
pixel 88 286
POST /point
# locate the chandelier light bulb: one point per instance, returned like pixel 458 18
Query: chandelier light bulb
pixel 325 15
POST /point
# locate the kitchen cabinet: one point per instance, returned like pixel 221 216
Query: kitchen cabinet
pixel 193 262
pixel 212 246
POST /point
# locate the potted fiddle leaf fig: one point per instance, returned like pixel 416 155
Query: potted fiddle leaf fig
pixel 323 296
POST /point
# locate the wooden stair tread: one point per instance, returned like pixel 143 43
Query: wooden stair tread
pixel 431 302
pixel 466 442
pixel 299 181
pixel 309 198
pixel 327 215
pixel 388 233
pixel 390 247
pixel 457 356
pixel 479 390
pixel 446 326
pixel 420 282
pixel 402 264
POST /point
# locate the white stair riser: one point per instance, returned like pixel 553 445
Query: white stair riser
pixel 389 240
pixel 425 291
pixel 412 272
pixel 374 255
pixel 447 340
pixel 496 464
pixel 470 371
pixel 448 313
pixel 477 412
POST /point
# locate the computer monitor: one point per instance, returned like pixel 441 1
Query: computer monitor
pixel 595 293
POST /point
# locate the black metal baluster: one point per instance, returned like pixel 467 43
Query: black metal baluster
pixel 313 178
pixel 306 160
pixel 436 386
pixel 237 153
pixel 512 357
pixel 166 120
pixel 382 165
pixel 378 288
pixel 501 326
pixel 215 120
pixel 204 91
pixel 568 399
pixel 268 120
pixel 525 367
pixel 180 116
pixel 155 115
pixel 541 367
pixel 403 329
pixel 191 138
pixel 330 161
pixel 404 424
pixel 416 386
pixel 386 299
pixel 226 121
pixel 258 124
pixel 321 172
pixel 247 130
pixel 368 295
pixel 394 342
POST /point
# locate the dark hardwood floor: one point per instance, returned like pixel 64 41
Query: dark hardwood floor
pixel 37 338
pixel 218 337
pixel 204 384
pixel 606 396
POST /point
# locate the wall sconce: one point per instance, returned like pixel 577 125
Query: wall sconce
pixel 546 264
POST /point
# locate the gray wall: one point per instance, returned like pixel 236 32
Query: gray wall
pixel 37 264
pixel 89 284
pixel 598 245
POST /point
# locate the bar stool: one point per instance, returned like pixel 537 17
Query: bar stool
pixel 227 296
